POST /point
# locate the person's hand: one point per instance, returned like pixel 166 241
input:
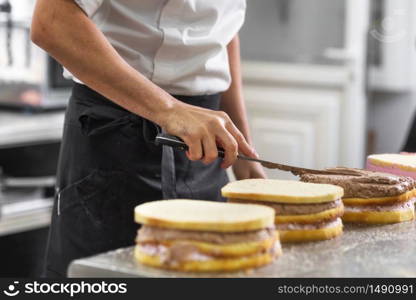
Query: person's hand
pixel 244 169
pixel 204 130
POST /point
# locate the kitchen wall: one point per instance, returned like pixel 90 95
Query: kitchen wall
pixel 389 117
pixel 292 30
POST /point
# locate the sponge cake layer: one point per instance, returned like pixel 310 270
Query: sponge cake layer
pixel 204 215
pixel 282 191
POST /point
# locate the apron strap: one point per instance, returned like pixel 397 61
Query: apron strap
pixel 168 171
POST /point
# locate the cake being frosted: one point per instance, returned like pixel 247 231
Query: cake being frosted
pixel 372 197
pixel 364 183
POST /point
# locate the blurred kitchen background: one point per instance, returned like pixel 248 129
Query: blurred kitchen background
pixel 326 82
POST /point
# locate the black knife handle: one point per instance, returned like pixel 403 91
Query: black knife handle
pixel 177 143
pixel 171 140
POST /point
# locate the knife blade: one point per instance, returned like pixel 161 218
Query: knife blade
pixel 179 144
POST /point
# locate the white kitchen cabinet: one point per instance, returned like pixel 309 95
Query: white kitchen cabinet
pixel 295 116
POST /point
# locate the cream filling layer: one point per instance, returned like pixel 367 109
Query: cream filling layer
pixel 167 254
pixel 395 207
pixel 182 252
pixel 392 169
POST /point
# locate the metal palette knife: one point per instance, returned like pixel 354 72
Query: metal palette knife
pixel 177 143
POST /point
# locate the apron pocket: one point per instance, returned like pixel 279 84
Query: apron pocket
pixel 98 120
pixel 94 215
pixel 91 213
pixel 98 195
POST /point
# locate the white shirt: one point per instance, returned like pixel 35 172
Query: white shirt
pixel 180 45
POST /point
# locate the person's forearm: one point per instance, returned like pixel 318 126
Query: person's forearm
pixel 232 101
pixel 63 30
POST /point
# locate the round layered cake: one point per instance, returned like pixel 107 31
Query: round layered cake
pixel 372 197
pixel 304 211
pixel 205 236
pixel 398 164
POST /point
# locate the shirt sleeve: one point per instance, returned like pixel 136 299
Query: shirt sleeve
pixel 89 6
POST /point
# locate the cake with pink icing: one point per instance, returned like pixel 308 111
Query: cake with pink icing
pixel 398 164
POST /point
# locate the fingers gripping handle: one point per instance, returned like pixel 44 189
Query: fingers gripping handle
pixel 177 143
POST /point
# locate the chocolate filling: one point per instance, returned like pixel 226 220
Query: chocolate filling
pixel 294 208
pixel 364 183
pixel 149 234
pixel 318 225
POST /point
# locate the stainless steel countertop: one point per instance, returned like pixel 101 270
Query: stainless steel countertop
pixel 23 210
pixel 362 251
pixel 19 128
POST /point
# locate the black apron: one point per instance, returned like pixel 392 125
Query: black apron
pixel 108 164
